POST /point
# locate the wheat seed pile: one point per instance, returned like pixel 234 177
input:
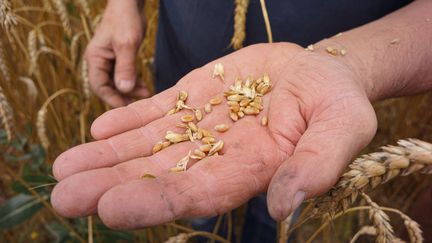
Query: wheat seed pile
pixel 243 98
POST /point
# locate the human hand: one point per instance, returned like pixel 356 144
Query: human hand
pixel 319 118
pixel 112 52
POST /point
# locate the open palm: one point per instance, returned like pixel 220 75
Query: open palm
pixel 319 117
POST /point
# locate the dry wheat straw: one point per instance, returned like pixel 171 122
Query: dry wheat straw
pixel 6 115
pixel 47 5
pixel 365 230
pixel 7 17
pixel 4 68
pixel 239 35
pixel 381 221
pixel 371 170
pixel 61 9
pixel 74 46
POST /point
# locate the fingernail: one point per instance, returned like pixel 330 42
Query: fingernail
pixel 125 85
pixel 298 199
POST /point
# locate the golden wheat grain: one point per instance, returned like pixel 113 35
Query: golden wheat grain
pixel 198 114
pixel 371 170
pixel 61 10
pixel 239 34
pixel 187 118
pixel 41 128
pixel 215 101
pixel 4 68
pixel 218 71
pixel 221 128
pixel 7 17
pixel 207 108
pixel 264 121
pixel 6 115
pixel 381 221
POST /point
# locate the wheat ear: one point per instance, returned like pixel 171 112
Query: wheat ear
pixel 60 7
pixel 7 17
pixel 6 115
pixel 84 6
pixel 371 170
pixel 381 221
pixel 85 79
pixel 4 68
pixel 41 128
pixel 239 35
pixel 32 46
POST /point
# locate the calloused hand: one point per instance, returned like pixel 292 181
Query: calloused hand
pixel 112 52
pixel 319 118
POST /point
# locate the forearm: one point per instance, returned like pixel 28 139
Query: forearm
pixel 393 55
pixel 125 5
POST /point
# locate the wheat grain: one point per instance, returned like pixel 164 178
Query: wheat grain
pixel 198 115
pixel 239 34
pixel 381 221
pixel 8 19
pixel 207 108
pixel 215 101
pixel 216 148
pixel 221 128
pixel 264 121
pixel 208 140
pixel 176 137
pixel 6 115
pixel 331 50
pixel 41 128
pixel 187 118
pixel 343 52
pixel 218 71
pixel 61 9
pixel 310 48
pixel 371 170
pixel 157 147
pixel 148 176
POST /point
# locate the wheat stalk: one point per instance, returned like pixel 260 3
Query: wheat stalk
pixel 6 115
pixel 64 17
pixel 4 68
pixel 74 46
pixel 7 17
pixel 381 221
pixel 239 34
pixel 371 170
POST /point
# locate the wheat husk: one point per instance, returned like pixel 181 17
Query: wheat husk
pixel 6 115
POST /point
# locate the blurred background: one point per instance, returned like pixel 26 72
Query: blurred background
pixel 46 107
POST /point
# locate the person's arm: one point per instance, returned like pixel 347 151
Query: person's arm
pixel 319 117
pixel 111 54
pixel 393 55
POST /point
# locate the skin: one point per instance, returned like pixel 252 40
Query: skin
pixel 111 54
pixel 319 112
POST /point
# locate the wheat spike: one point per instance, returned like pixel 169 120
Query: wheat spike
pixel 4 68
pixel 84 6
pixel 413 228
pixel 381 221
pixel 41 129
pixel 47 5
pixel 33 50
pixel 31 88
pixel 6 115
pixel 63 14
pixel 239 34
pixel 7 17
pixel 85 79
pixel 371 170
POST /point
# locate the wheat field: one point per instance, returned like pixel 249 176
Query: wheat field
pixel 46 107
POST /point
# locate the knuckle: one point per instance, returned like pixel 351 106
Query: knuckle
pixel 127 42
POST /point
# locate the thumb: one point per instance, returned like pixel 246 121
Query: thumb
pixel 125 69
pixel 319 158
